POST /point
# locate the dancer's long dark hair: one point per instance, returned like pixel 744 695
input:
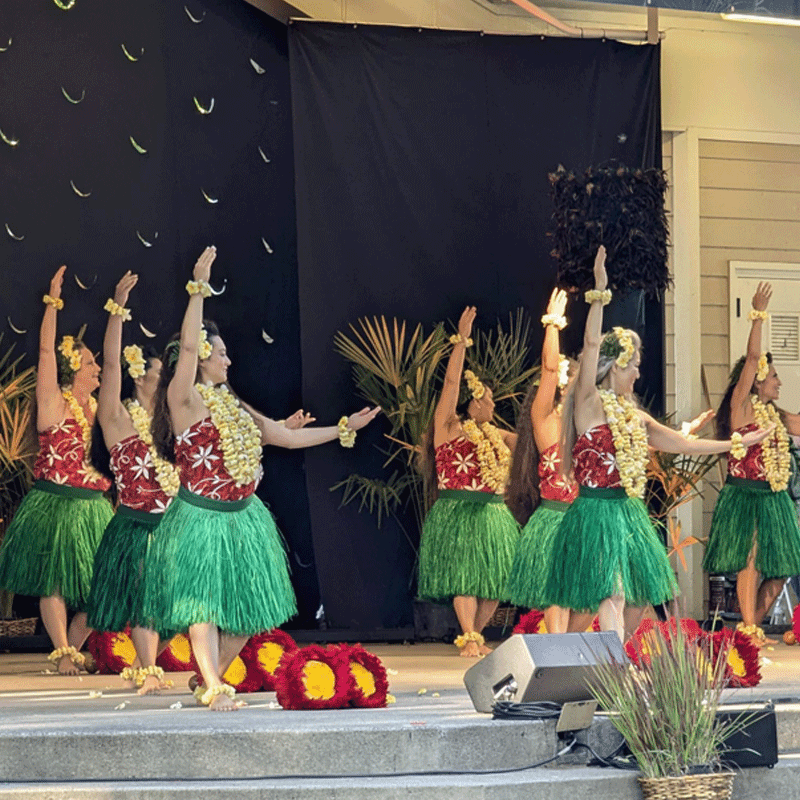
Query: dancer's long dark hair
pixel 100 457
pixel 522 495
pixel 163 435
pixel 722 421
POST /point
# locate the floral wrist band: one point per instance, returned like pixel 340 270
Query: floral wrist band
pixel 738 450
pixel 559 320
pixel 216 691
pixel 74 656
pixel 457 338
pixel 199 287
pixel 347 436
pixel 593 295
pixel 754 314
pixel 56 302
pixel 472 636
pixel 116 309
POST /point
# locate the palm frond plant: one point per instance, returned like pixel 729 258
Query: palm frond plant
pixel 666 707
pixel 17 443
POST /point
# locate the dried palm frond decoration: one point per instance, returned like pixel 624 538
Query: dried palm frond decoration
pixel 616 206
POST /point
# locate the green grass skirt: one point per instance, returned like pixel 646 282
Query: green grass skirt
pixel 50 545
pixel 534 554
pixel 607 545
pixel 117 594
pixel 225 567
pixel 467 547
pixel 748 512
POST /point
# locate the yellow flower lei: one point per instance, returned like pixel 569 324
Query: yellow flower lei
pixel 222 688
pixel 763 367
pixel 166 474
pixel 203 346
pixel 630 441
pixel 75 656
pixel 457 338
pixel 56 302
pixel 239 438
pixel 347 436
pixel 199 287
pixel 474 383
pixel 775 448
pixel 80 417
pixel 135 360
pixel 626 343
pixel 67 349
pixel 113 307
pixel 472 636
pixel 494 457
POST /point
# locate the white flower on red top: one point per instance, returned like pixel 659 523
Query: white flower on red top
pixel 185 438
pixel 160 506
pixel 609 461
pixel 550 461
pixel 204 457
pixel 52 456
pixel 141 467
pixel 463 463
pixel 58 478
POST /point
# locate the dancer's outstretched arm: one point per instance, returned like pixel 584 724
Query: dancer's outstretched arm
pixel 49 401
pixel 109 404
pixel 546 425
pixel 445 416
pixel 670 441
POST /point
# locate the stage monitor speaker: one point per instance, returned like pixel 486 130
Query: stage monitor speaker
pixel 541 666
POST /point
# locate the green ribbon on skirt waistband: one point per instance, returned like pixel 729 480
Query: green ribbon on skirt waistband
pixel 748 484
pixel 470 496
pixel 77 492
pixel 603 493
pixel 142 517
pixel 213 505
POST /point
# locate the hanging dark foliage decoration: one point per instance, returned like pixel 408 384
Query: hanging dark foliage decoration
pixel 620 208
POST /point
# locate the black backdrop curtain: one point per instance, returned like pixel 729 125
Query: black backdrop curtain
pixel 159 193
pixel 421 163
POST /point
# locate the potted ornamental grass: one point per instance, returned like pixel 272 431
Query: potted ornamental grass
pixel 666 707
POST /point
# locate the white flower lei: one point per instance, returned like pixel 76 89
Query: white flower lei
pixel 630 441
pixel 239 438
pixel 494 457
pixel 86 429
pixel 166 474
pixel 775 448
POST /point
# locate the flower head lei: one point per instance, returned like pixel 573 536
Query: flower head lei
pixel 474 383
pixel 166 473
pixel 763 367
pixel 239 437
pixel 775 448
pixel 618 344
pixel 630 441
pixel 203 346
pixel 563 371
pixel 494 457
pixel 70 351
pixel 136 365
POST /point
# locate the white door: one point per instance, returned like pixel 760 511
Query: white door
pixel 781 332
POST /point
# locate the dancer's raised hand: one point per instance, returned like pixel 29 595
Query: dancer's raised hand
pixel 56 282
pixel 362 418
pixel 557 304
pixel 126 283
pixel 298 420
pixel 762 296
pixel 202 269
pixel 465 323
pixel 600 276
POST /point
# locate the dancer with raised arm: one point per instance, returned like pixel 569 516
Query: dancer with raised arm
pixel 754 530
pixel 146 484
pixel 606 554
pixel 217 566
pixel 469 536
pixel 538 492
pixel 48 550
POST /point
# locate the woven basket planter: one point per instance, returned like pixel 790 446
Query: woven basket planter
pixel 18 627
pixel 713 786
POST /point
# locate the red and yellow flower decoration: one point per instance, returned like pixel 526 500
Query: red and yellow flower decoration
pixel 263 654
pixel 314 677
pixel 532 622
pixel 742 667
pixel 177 656
pixel 112 651
pixel 370 684
pixel 640 646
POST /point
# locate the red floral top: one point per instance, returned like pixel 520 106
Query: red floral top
pixel 62 458
pixel 135 476
pixel 457 466
pixel 552 484
pixel 594 459
pixel 198 456
pixel 752 465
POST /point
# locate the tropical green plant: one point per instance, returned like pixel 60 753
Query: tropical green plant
pixel 17 443
pixel 666 706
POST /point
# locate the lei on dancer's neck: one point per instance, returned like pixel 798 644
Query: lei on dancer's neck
pixel 239 438
pixel 494 457
pixel 775 448
pixel 630 441
pixel 166 474
pixel 80 417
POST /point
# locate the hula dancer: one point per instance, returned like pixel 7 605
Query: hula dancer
pixel 539 497
pixel 606 554
pixel 146 483
pixel 469 535
pixel 754 530
pixel 217 565
pixel 49 548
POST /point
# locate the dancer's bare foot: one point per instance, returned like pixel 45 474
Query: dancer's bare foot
pixel 470 650
pixel 151 685
pixel 224 703
pixel 66 667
